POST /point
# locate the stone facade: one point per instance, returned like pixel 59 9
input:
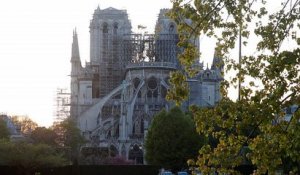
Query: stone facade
pixel 14 130
pixel 116 94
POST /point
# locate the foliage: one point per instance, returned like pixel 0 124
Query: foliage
pixel 4 132
pixel 28 157
pixel 44 135
pixel 69 137
pixel 270 83
pixel 171 139
pixel 27 125
pixel 69 134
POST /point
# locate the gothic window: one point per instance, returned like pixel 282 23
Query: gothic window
pixel 105 28
pixel 142 126
pixel 113 151
pixel 171 28
pixel 136 82
pixel 115 28
pixel 123 151
pixel 149 94
pixel 155 93
pixel 139 94
pixel 136 154
pixel 152 83
pixel 117 134
pixel 108 135
pixel 133 129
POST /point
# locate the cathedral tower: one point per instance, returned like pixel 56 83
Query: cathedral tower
pixel 107 28
pixel 116 94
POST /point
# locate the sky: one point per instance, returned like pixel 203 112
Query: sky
pixel 35 48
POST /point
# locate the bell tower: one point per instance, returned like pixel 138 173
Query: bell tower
pixel 107 29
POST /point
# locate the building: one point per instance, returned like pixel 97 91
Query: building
pixel 14 130
pixel 116 94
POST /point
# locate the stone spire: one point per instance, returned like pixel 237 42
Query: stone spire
pixel 75 72
pixel 217 62
pixel 75 48
pixel 75 58
pixel 97 10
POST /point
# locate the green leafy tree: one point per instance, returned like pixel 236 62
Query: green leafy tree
pixel 44 135
pixel 69 137
pixel 4 132
pixel 256 126
pixel 27 157
pixel 171 140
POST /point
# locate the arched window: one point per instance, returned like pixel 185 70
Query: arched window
pixel 155 93
pixel 140 94
pixel 152 83
pixel 149 94
pixel 171 28
pixel 113 151
pixel 105 28
pixel 115 29
pixel 136 153
pixel 142 126
pixel 136 82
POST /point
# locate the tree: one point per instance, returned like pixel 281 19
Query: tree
pixel 26 124
pixel 69 137
pixel 44 135
pixel 171 140
pixel 256 126
pixel 27 157
pixel 4 132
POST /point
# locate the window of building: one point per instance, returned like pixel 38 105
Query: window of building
pixel 105 28
pixel 171 28
pixel 115 28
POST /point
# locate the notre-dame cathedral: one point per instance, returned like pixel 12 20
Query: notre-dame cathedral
pixel 115 95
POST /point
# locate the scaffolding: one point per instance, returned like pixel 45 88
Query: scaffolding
pixel 139 48
pixel 110 68
pixel 62 103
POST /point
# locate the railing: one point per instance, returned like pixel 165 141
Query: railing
pixel 167 65
pixel 136 136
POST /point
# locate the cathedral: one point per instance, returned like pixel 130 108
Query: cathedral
pixel 116 94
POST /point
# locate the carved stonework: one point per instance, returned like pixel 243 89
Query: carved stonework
pixel 115 96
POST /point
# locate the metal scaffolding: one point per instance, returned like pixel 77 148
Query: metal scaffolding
pixel 62 104
pixel 110 68
pixel 138 48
